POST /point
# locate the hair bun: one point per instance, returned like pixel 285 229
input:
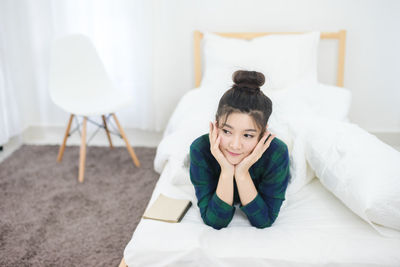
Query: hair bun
pixel 252 80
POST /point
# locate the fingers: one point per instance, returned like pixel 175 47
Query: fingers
pixel 267 138
pixel 213 136
pixel 261 147
pixel 217 142
pixel 267 134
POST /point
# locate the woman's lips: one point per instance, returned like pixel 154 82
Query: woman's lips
pixel 233 154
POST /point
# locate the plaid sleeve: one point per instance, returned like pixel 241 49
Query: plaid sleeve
pixel 263 210
pixel 214 211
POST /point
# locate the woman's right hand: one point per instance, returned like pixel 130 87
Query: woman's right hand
pixel 215 140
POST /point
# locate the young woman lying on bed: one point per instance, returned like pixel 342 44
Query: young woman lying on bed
pixel 240 161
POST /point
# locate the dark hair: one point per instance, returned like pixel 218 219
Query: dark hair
pixel 245 96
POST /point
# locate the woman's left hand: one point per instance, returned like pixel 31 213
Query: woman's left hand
pixel 257 153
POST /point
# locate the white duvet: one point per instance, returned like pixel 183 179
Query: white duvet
pixel 317 225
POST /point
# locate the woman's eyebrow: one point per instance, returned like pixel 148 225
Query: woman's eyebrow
pixel 247 130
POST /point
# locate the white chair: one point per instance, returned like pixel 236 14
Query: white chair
pixel 79 84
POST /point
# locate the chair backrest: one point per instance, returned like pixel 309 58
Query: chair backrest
pixel 76 70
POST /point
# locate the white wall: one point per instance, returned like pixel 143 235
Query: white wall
pixel 372 63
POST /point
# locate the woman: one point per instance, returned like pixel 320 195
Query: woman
pixel 239 161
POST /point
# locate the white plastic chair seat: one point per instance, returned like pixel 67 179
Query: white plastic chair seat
pixel 98 104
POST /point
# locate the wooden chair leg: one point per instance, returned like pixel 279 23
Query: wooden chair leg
pixel 62 147
pixel 128 146
pixel 108 133
pixel 82 156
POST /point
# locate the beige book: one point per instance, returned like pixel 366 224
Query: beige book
pixel 167 209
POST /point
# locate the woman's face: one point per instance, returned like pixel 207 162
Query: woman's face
pixel 239 136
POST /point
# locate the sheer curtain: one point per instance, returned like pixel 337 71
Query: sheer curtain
pixel 9 116
pixel 10 120
pixel 121 30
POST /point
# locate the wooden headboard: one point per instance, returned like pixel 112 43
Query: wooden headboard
pixel 340 36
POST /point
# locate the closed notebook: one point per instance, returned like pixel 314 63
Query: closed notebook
pixel 167 209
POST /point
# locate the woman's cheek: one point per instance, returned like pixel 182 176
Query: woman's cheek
pixel 252 146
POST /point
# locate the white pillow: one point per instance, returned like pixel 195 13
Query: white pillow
pixel 362 171
pixel 284 59
pixel 321 99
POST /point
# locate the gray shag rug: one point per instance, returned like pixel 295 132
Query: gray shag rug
pixel 48 218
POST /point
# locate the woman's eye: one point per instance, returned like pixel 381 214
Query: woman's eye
pixel 225 131
pixel 248 136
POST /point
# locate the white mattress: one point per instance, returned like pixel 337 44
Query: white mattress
pixel 313 229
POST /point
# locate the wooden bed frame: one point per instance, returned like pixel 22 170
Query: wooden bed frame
pixel 198 36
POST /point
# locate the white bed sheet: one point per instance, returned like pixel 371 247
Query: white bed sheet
pixel 313 228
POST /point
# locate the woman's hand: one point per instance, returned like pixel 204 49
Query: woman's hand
pixel 258 151
pixel 216 152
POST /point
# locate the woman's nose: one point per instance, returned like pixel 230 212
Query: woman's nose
pixel 235 143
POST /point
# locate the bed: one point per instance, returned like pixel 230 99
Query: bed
pixel 336 212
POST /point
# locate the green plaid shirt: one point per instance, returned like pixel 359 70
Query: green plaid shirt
pixel 270 175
